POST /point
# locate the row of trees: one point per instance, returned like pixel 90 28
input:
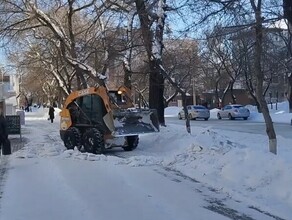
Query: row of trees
pixel 62 45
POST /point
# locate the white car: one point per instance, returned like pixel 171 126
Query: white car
pixel 233 111
pixel 194 112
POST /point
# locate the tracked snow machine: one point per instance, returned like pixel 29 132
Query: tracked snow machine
pixel 96 119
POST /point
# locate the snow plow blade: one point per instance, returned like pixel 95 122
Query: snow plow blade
pixel 134 122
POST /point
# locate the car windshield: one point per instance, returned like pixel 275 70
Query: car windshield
pixel 238 106
pixel 199 107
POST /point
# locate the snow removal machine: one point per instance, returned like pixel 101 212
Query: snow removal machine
pixel 96 119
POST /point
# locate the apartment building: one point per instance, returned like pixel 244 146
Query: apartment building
pixel 9 90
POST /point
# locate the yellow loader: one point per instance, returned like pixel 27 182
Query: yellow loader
pixel 96 119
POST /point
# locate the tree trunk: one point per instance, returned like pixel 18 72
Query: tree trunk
pixel 167 101
pixel 251 91
pixel 156 90
pixel 184 101
pixel 224 94
pixel 128 55
pixel 287 8
pixel 82 84
pixel 260 79
pixel 127 76
pixel 219 102
pixel 290 92
pixel 232 93
pixel 156 79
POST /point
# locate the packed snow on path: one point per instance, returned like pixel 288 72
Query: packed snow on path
pixel 46 181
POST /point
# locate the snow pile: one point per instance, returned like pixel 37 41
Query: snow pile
pixel 235 163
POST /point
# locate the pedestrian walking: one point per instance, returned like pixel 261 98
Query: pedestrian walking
pixel 52 113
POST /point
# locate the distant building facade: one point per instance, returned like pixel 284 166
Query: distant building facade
pixel 9 90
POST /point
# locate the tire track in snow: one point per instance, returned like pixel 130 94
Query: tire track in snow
pixel 216 200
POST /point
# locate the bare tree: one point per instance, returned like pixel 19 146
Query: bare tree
pixel 287 7
pixel 260 75
pixel 213 62
pixel 227 14
pixel 152 27
pixel 180 60
pixel 62 25
pixel 225 61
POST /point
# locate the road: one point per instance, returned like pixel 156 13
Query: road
pixel 284 130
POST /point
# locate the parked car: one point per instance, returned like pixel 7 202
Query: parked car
pixel 194 112
pixel 233 111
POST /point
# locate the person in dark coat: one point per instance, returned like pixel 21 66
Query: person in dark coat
pixel 52 113
pixel 3 129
